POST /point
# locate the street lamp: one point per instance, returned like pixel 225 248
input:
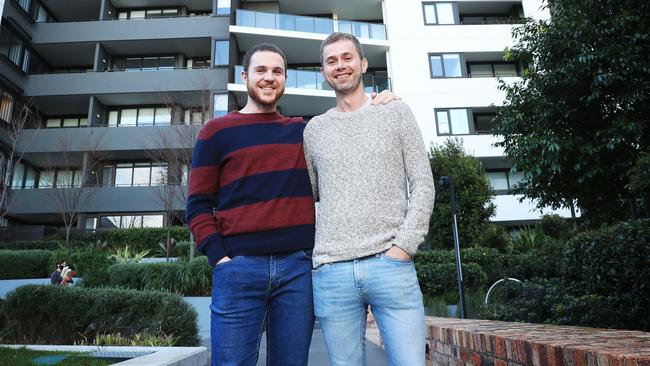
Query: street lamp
pixel 448 181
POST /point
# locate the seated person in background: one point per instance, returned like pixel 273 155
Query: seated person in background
pixel 67 274
pixel 55 277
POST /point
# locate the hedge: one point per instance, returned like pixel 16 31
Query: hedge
pixel 40 244
pixel 64 315
pixel 16 264
pixel 186 278
pixel 140 239
pixel 602 281
pixel 437 279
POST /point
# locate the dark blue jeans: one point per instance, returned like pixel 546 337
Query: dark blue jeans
pixel 254 293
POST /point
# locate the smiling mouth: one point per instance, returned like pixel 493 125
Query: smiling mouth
pixel 342 76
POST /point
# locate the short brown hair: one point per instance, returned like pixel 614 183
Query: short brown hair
pixel 340 36
pixel 262 47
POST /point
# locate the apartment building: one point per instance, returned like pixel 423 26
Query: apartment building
pixel 115 87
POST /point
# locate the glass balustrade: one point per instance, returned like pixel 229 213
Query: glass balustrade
pixel 298 23
pixel 307 79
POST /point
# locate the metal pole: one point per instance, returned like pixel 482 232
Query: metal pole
pixel 448 180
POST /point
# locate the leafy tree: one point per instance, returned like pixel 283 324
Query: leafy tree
pixel 474 205
pixel 578 121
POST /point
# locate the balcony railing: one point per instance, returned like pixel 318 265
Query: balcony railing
pixel 300 23
pixel 307 79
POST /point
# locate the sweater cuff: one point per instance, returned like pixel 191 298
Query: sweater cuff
pixel 214 248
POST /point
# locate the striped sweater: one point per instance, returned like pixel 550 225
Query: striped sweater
pixel 249 190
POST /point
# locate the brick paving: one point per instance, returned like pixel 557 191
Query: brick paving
pixel 456 342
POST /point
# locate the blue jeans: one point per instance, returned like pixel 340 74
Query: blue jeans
pixel 343 291
pixel 254 293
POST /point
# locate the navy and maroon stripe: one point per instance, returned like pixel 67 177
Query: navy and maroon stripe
pixel 249 190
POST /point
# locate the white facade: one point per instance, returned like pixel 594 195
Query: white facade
pixel 411 42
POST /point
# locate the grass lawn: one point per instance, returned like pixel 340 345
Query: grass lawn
pixel 24 357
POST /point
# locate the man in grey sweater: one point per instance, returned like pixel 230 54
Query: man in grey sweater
pixel 371 176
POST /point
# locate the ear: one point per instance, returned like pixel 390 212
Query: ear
pixel 322 71
pixel 244 76
pixel 364 65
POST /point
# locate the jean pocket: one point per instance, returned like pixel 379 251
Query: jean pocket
pixel 228 263
pixel 396 260
pixel 320 269
pixel 307 253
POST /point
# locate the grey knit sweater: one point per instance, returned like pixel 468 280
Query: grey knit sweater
pixel 359 163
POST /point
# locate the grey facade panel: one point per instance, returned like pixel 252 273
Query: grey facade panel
pixel 49 140
pixel 93 83
pixel 130 30
pixel 100 200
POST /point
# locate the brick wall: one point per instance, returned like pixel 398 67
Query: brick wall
pixel 456 342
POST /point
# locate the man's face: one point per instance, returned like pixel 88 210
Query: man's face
pixel 265 77
pixel 343 66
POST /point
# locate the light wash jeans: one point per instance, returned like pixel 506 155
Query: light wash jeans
pixel 343 291
pixel 253 293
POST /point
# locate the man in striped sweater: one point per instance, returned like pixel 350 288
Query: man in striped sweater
pixel 251 211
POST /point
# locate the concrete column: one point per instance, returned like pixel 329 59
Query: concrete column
pixel 97 113
pixel 107 10
pixel 102 59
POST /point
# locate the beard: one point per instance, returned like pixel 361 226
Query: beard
pixel 349 87
pixel 258 95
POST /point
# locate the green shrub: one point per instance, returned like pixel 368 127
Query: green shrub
pixel 40 244
pixel 91 263
pixel 25 264
pixel 63 315
pixel 140 239
pixel 556 227
pixel 489 259
pixel 496 237
pixel 613 262
pixel 436 279
pixel 192 278
pixel 532 264
pixel 602 281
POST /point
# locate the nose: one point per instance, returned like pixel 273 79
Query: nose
pixel 268 75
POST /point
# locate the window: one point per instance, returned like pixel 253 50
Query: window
pixel 6 106
pixel 13 47
pixel 19 174
pixel 221 53
pixel 60 178
pixel 57 122
pixel 134 174
pixel 220 104
pixel 125 221
pixel 438 13
pixel 492 69
pixel 223 7
pixel 483 123
pixel 452 121
pixel 197 63
pixel 149 63
pixel 504 181
pixel 445 65
pixel 194 115
pixel 147 116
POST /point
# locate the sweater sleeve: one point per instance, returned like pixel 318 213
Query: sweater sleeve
pixel 202 198
pixel 313 173
pixel 420 184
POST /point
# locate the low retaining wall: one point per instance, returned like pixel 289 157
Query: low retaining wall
pixel 456 342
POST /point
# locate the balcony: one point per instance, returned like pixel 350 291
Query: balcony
pixel 306 24
pixel 94 83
